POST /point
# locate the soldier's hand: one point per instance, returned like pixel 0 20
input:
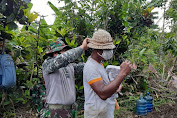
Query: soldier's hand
pixel 84 45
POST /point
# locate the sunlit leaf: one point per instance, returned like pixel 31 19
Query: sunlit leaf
pixel 72 42
pixel 30 5
pixel 54 8
pixel 67 40
pixel 62 32
pixel 142 51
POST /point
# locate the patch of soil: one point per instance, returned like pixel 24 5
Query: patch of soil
pixel 164 111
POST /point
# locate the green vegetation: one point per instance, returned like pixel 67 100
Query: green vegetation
pixel 131 24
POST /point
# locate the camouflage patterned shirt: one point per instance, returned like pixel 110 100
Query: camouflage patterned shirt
pixel 58 73
pixel 62 60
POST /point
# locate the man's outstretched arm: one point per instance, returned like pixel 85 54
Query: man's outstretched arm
pixel 63 59
pixel 106 91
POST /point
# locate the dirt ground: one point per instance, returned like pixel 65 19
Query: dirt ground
pixel 164 111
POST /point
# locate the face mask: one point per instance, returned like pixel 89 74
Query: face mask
pixel 107 54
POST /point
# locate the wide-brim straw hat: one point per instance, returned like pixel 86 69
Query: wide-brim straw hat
pixel 101 40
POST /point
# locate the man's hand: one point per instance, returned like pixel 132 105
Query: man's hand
pixel 126 67
pixel 84 44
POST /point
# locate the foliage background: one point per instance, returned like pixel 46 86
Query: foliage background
pixel 131 24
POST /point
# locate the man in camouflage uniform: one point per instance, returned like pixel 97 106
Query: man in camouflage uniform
pixel 59 75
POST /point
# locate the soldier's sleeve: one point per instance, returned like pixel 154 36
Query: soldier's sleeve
pixel 78 68
pixel 61 60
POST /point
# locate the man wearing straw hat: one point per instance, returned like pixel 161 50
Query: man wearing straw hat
pixel 58 73
pixel 98 89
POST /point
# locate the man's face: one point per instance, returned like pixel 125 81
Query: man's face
pixel 105 54
pixel 55 54
pixel 63 50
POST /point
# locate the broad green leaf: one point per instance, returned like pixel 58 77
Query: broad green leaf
pixel 21 39
pixel 32 17
pixel 6 103
pixel 30 5
pixel 21 99
pixel 125 23
pixel 142 51
pixel 27 92
pixel 76 86
pixel 81 87
pixel 124 37
pixel 26 46
pixel 10 18
pixel 75 45
pixel 44 29
pixel 67 40
pixel 32 30
pixel 128 42
pixel 12 26
pixel 40 50
pixel 118 41
pixel 54 8
pixel 72 42
pixel 62 32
